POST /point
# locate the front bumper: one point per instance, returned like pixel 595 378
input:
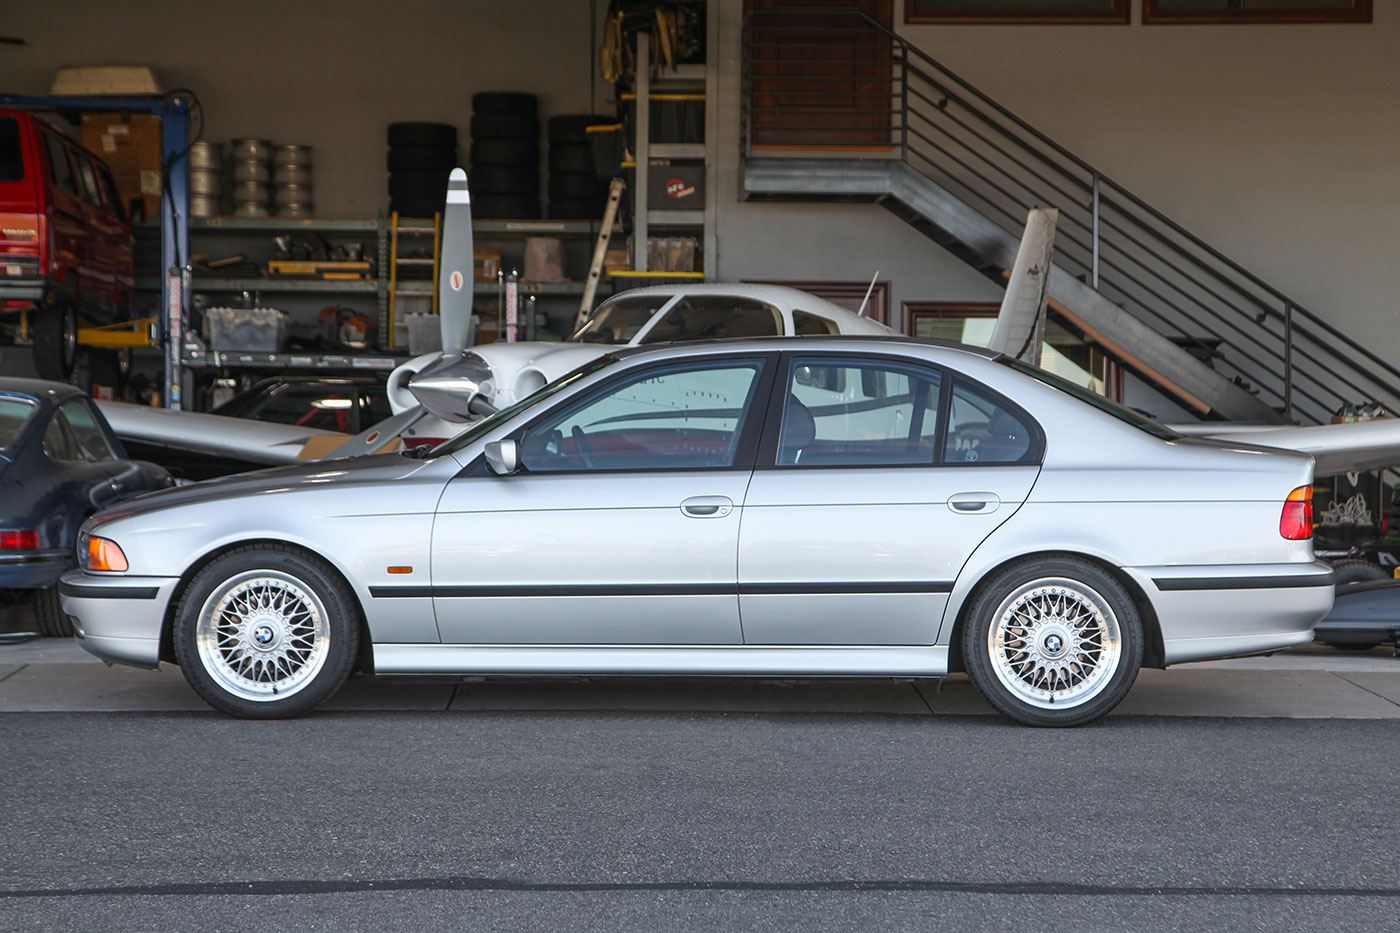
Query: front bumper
pixel 116 617
pixel 16 289
pixel 1226 611
pixel 34 570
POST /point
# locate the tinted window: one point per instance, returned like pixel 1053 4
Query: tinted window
pixel 58 164
pixel 87 434
pixel 687 417
pixel 619 320
pixel 981 430
pixel 713 317
pixel 14 414
pixel 88 176
pixel 810 325
pixel 859 413
pixel 11 154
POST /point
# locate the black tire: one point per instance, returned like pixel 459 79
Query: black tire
pixel 422 160
pixel 413 135
pixel 505 102
pixel 418 207
pixel 573 127
pixel 506 207
pixel 521 152
pixel 575 210
pixel 1356 570
pixel 1351 646
pixel 312 575
pixel 505 126
pixel 504 179
pixel 571 158
pixel 1083 576
pixel 418 184
pixel 56 338
pixel 53 622
pixel 573 187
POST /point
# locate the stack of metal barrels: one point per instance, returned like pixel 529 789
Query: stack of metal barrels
pixel 291 174
pixel 251 159
pixel 206 171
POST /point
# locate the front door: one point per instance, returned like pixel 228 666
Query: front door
pixel 879 481
pixel 622 525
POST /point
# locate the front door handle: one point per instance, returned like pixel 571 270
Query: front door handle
pixel 707 506
pixel 969 503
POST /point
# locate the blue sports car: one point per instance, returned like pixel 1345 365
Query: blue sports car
pixel 59 463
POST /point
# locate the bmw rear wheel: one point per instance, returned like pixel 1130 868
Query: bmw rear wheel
pixel 1053 642
pixel 266 632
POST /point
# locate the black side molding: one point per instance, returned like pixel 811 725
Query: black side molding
pixel 681 589
pixel 1292 581
pixel 82 591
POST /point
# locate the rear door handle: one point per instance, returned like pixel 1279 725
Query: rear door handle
pixel 707 506
pixel 968 503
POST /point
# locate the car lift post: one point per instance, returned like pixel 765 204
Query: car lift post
pixel 174 112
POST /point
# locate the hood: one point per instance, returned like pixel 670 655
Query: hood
pixel 373 468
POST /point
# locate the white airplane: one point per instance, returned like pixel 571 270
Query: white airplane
pixel 435 395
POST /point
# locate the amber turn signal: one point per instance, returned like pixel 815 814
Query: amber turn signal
pixel 103 554
pixel 1296 522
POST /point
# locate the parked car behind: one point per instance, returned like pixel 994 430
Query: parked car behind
pixel 65 243
pixel 59 463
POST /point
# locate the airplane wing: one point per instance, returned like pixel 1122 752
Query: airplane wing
pixel 239 439
pixel 1337 448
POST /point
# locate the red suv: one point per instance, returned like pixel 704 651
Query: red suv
pixel 65 242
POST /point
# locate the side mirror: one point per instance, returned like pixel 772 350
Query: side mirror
pixel 502 457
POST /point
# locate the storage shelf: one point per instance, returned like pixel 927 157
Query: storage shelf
pixel 210 359
pixel 424 287
pixel 373 225
pixel 676 218
pixel 210 283
pixel 677 150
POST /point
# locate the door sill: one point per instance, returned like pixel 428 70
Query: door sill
pixel 661 660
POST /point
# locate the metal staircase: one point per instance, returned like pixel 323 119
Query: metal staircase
pixel 964 170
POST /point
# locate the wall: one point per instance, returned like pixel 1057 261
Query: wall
pixel 330 76
pixel 1277 144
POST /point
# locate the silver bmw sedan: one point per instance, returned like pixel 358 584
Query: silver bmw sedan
pixel 848 507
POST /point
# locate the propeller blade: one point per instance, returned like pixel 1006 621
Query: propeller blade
pixel 455 284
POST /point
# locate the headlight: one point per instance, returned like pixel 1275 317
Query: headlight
pixel 101 554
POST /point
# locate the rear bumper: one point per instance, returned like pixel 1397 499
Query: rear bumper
pixel 33 571
pixel 117 618
pixel 1224 611
pixel 22 289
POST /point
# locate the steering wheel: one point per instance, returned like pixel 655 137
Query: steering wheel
pixel 584 449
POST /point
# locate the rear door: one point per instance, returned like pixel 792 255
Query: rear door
pixel 877 478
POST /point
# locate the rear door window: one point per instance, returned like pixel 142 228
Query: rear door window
pixel 982 430
pixel 59 165
pixel 11 151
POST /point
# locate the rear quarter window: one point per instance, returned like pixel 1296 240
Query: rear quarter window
pixel 14 415
pixel 11 151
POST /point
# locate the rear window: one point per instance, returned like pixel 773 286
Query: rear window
pixel 11 155
pixel 14 415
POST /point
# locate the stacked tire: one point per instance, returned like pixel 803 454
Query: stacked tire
pixel 505 169
pixel 421 156
pixel 575 190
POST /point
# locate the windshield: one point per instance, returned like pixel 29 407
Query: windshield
pixel 491 422
pixel 14 414
pixel 620 320
pixel 1088 396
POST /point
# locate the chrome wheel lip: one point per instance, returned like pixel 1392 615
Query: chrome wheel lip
pixel 1032 666
pixel 284 662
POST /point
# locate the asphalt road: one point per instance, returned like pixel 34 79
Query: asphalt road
pixel 694 821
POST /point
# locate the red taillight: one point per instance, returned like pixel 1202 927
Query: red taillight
pixel 1296 522
pixel 19 540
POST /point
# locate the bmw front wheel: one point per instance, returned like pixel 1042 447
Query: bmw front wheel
pixel 1053 642
pixel 266 632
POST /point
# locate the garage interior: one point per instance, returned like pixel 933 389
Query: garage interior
pixel 1222 173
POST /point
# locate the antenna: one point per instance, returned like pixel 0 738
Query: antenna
pixel 866 300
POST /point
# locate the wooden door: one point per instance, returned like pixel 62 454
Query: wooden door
pixel 820 75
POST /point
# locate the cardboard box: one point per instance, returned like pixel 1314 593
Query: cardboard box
pixel 130 145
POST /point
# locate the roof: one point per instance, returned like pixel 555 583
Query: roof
pixel 37 389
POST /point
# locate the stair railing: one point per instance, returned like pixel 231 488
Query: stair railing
pixel 823 79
